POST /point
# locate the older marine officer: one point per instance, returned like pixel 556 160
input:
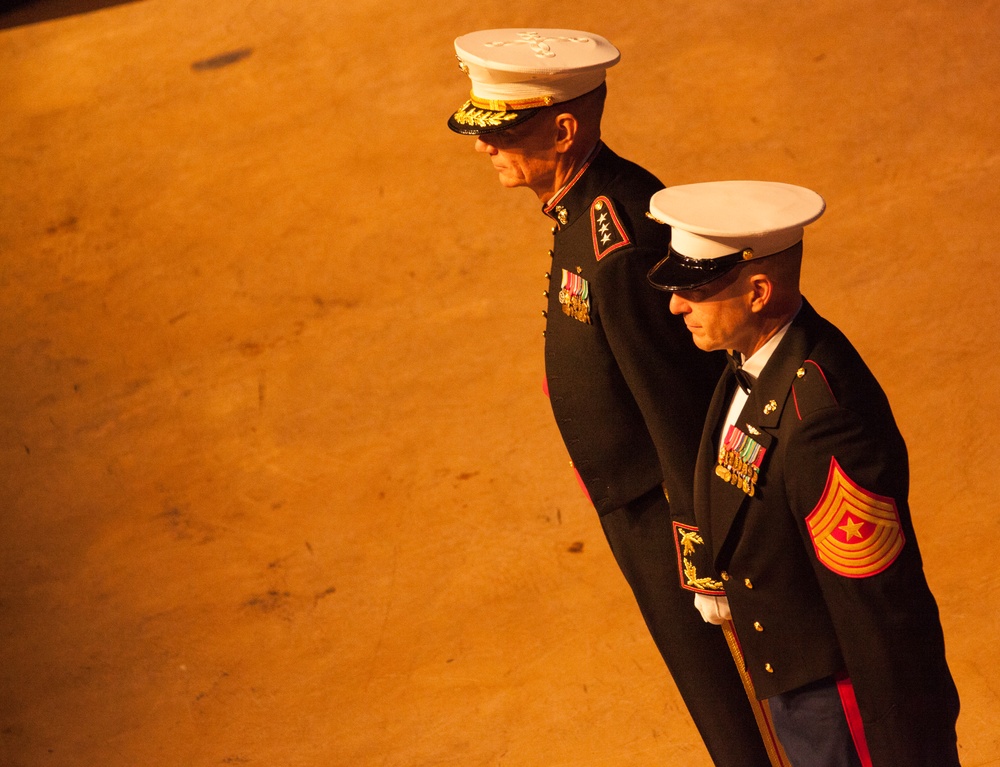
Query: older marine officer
pixel 627 387
pixel 801 493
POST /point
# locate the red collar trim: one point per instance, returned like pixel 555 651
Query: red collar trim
pixel 547 210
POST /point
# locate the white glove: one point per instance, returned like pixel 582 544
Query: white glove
pixel 714 610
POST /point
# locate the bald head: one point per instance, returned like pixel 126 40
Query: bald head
pixel 588 110
pixel 782 271
pixel 575 125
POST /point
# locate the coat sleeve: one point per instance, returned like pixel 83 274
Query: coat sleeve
pixel 672 382
pixel 847 482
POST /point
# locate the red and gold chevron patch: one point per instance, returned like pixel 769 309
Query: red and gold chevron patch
pixel 856 533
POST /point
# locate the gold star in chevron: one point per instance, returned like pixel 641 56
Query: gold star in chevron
pixel 852 529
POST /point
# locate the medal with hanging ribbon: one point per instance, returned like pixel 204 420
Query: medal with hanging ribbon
pixel 574 295
pixel 739 461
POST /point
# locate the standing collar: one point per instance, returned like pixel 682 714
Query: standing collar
pixel 560 199
pixel 755 364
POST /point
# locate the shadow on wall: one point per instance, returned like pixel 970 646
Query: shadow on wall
pixel 17 13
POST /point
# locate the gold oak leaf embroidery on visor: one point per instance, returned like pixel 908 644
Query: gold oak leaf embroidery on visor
pixel 855 533
pixel 481 118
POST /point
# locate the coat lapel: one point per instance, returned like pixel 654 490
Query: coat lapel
pixel 721 501
pixel 715 502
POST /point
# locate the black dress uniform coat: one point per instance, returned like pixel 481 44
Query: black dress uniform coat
pixel 816 547
pixel 629 391
pixel 628 387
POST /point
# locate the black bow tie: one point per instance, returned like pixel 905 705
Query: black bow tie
pixel 743 378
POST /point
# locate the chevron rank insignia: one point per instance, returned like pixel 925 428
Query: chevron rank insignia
pixel 855 533
pixel 609 234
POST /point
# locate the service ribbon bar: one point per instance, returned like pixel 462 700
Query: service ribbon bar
pixel 574 295
pixel 739 461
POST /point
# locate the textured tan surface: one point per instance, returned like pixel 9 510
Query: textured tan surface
pixel 278 484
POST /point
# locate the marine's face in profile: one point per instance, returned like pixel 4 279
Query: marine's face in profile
pixel 716 313
pixel 524 155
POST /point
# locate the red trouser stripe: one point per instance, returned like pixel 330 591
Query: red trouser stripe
pixel 853 713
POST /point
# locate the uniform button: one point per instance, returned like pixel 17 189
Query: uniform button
pixel 548 275
pixel 756 625
pixel 748 584
pixel 545 293
pixel 725 575
pixel 555 229
pixel 545 313
pixel 768 669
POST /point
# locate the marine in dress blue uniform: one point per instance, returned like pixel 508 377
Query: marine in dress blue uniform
pixel 801 493
pixel 628 388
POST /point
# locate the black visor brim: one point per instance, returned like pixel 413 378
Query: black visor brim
pixel 677 272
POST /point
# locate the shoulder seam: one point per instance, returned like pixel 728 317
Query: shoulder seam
pixel 826 383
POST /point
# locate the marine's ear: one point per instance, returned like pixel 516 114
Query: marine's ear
pixel 567 127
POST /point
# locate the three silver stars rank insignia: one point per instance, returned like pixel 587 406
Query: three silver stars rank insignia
pixel 609 234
